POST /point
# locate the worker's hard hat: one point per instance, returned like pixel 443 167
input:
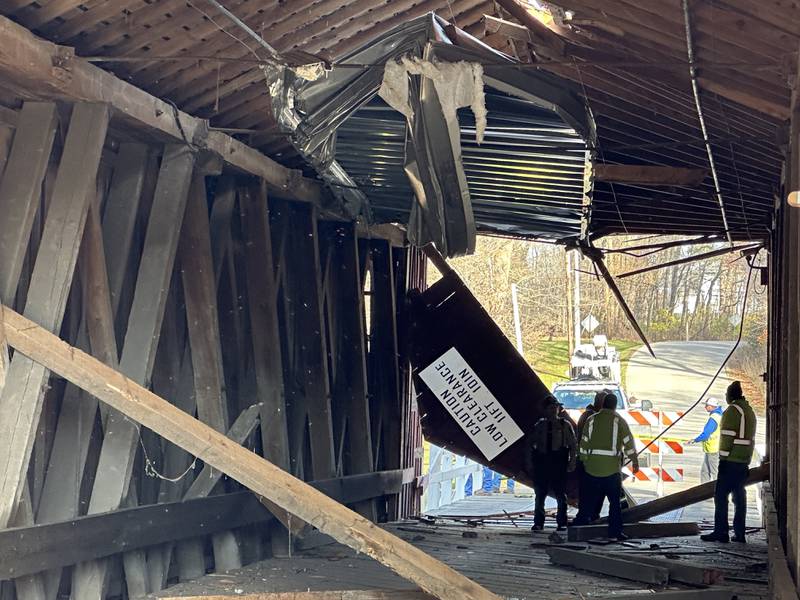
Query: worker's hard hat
pixel 712 402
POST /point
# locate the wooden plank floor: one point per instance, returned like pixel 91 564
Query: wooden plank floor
pixel 509 561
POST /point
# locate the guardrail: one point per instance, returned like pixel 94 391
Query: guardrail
pixel 447 477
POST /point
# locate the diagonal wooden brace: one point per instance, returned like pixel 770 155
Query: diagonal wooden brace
pixel 259 475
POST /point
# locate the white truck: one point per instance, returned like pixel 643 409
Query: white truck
pixel 597 360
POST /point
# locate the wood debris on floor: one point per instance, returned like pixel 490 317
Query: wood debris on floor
pixel 512 562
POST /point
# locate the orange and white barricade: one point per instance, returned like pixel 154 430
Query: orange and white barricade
pixel 665 474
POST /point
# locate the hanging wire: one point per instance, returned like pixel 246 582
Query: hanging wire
pixel 701 118
pixel 150 468
pixel 721 367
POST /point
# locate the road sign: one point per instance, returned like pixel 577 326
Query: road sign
pixel 590 323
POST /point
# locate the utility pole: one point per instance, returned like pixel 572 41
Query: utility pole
pixel 576 301
pixel 517 324
pixel 568 320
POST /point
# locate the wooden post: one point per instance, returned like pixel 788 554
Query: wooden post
pixel 21 398
pixel 21 188
pixel 60 496
pixel 261 476
pixel 262 305
pixel 122 211
pixel 308 396
pixel 792 329
pixel 350 400
pixel 139 349
pixel 197 272
pixel 383 363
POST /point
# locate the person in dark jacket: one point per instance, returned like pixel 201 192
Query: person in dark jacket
pixel 550 453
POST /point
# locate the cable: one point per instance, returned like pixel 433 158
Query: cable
pixel 701 118
pixel 721 367
pixel 151 471
pixel 177 116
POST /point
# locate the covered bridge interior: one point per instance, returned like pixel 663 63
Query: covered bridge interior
pixel 216 220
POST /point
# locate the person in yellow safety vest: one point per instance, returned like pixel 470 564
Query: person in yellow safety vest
pixel 710 440
pixel 586 513
pixel 737 435
pixel 605 442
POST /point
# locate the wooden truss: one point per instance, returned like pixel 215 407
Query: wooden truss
pixel 264 478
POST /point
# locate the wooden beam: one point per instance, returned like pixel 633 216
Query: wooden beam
pixel 344 300
pixel 687 497
pixel 515 31
pixel 202 486
pixel 56 545
pixel 25 550
pixel 338 595
pixel 103 261
pixel 21 398
pixel 725 594
pixel 122 212
pixel 550 45
pixel 308 386
pixel 679 571
pixel 650 175
pixel 383 362
pixel 200 296
pixel 261 476
pixel 139 348
pixel 21 189
pixel 638 530
pixel 48 71
pixel 262 305
pixel 263 310
pixel 607 565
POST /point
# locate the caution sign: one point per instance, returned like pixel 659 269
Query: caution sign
pixel 471 404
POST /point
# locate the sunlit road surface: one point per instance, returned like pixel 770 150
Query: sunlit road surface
pixel 673 381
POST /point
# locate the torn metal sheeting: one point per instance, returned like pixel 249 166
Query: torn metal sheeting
pixel 439 162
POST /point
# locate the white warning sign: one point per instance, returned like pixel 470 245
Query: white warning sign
pixel 471 404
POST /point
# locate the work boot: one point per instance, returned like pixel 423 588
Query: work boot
pixel 537 528
pixel 739 539
pixel 714 537
pixel 621 537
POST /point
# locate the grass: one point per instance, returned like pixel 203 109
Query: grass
pixel 550 359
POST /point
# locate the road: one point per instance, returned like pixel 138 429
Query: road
pixel 673 381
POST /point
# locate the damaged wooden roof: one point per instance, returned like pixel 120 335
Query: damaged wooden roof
pixel 628 55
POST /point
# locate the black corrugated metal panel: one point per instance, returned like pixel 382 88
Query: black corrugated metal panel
pixel 745 152
pixel 525 178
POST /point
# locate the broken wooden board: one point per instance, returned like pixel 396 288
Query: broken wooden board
pixel 693 495
pixel 585 533
pixel 679 571
pixel 261 476
pixel 606 565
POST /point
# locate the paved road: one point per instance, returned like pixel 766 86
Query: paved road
pixel 673 381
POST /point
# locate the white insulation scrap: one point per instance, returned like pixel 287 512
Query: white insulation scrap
pixel 457 85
